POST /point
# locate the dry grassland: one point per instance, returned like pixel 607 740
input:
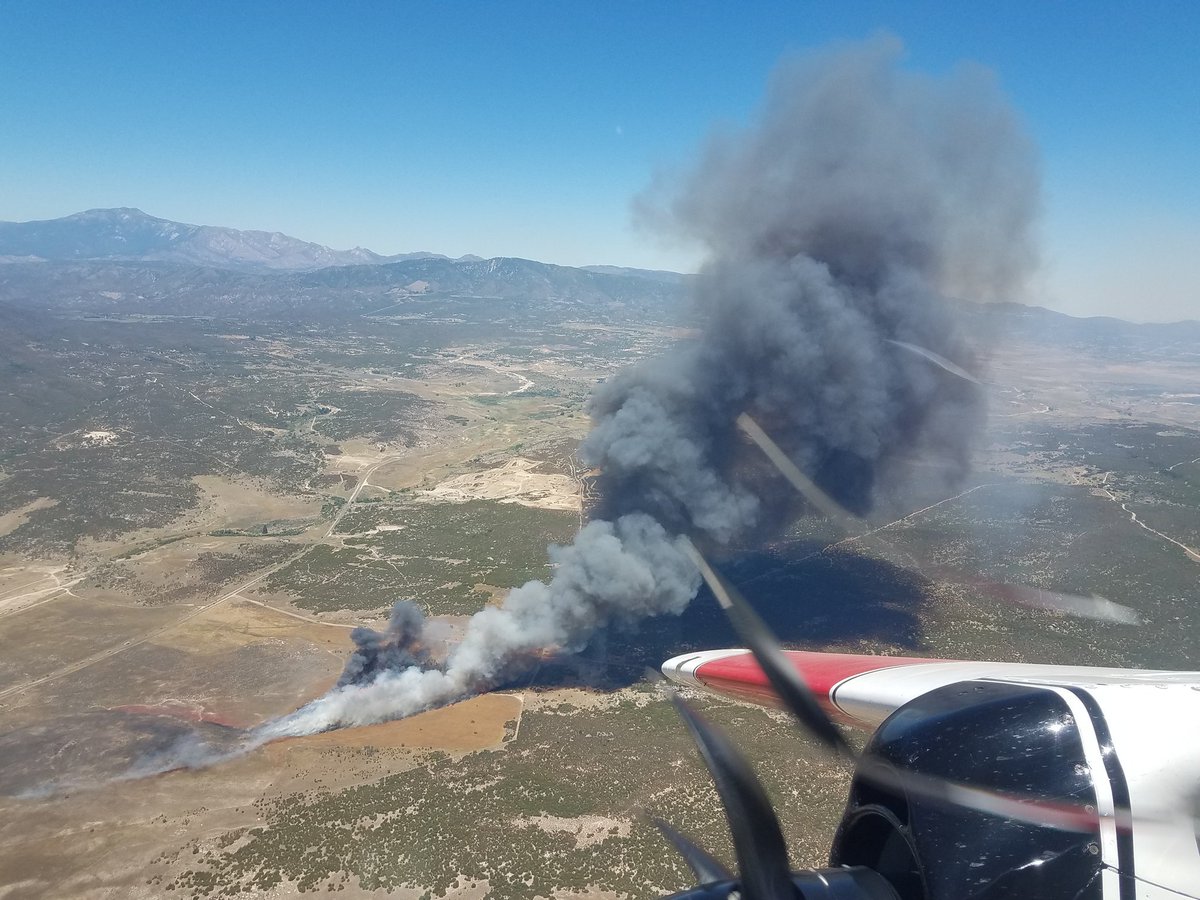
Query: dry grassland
pixel 14 519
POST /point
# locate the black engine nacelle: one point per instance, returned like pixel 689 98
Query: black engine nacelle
pixel 911 818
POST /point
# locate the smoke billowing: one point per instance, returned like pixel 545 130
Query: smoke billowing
pixel 614 572
pixel 400 645
pixel 840 231
pixel 863 205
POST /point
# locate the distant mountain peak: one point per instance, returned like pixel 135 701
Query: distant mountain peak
pixel 115 213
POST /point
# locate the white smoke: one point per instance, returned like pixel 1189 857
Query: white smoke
pixel 614 571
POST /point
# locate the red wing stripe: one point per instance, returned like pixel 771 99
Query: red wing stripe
pixel 739 676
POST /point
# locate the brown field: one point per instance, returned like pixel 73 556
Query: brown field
pixel 236 664
pixel 14 519
pixel 475 724
pixel 109 839
pixel 238 504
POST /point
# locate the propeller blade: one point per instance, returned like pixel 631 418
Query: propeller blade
pixel 786 681
pixel 757 838
pixel 703 865
pixel 808 489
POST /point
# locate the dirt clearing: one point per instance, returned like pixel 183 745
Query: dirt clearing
pixel 514 482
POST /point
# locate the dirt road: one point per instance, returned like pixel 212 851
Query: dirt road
pixel 134 642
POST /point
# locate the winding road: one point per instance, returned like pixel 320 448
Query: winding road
pixel 1191 554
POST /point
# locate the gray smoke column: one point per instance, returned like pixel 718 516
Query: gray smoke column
pixel 865 204
pixel 841 230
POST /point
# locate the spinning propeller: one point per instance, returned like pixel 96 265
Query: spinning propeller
pixel 763 870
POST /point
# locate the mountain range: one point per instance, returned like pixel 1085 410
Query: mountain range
pixel 117 261
pixel 128 234
pixel 123 261
pixel 125 234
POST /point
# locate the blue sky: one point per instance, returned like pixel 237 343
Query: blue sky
pixel 526 128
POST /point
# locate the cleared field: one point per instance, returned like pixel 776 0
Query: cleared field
pixel 226 503
pixel 40 641
pixel 517 481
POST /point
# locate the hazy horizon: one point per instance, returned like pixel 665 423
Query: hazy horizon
pixel 528 130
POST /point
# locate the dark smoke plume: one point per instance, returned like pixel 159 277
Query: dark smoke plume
pixel 398 646
pixel 841 230
pixel 844 225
